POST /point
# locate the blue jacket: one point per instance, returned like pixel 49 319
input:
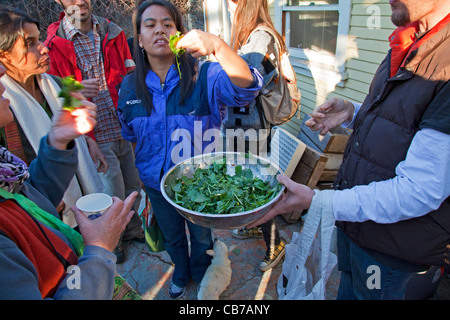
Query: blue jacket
pixel 177 132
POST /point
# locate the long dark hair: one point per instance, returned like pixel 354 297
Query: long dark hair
pixel 11 27
pixel 187 62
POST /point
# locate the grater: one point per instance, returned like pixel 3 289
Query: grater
pixel 286 151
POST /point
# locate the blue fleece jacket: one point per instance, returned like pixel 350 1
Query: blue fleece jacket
pixel 174 132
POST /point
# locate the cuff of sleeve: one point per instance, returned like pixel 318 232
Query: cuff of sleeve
pixel 53 153
pixel 349 124
pixel 100 252
pixel 257 79
pixel 344 208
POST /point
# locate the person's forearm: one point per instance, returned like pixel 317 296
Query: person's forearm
pixel 235 67
pixel 92 278
pixel 52 170
pixel 421 185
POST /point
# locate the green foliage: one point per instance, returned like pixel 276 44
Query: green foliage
pixel 174 38
pixel 69 84
pixel 212 190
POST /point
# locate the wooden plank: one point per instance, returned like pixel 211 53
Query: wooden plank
pixel 334 160
pixel 363 65
pixel 307 172
pixel 362 21
pixel 369 2
pixel 328 175
pixel 358 86
pixel 306 140
pixel 360 76
pixel 361 9
pixel 325 185
pixel 310 167
pixel 380 46
pixel 370 56
pixel 376 34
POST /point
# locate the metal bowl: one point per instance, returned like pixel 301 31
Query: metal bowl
pixel 261 167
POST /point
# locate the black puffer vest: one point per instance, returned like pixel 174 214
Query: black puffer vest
pixel 388 120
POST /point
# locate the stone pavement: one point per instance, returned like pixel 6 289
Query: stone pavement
pixel 150 273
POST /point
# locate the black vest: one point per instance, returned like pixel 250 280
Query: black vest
pixel 388 120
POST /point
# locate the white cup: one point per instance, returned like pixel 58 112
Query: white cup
pixel 94 205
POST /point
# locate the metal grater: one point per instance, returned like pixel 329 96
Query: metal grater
pixel 286 151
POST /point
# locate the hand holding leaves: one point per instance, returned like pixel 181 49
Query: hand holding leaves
pixel 69 84
pixel 174 38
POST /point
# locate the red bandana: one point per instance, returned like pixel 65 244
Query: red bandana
pixel 403 40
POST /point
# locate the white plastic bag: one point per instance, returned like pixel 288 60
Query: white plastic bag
pixel 309 260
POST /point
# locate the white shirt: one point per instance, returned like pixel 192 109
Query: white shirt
pixel 421 184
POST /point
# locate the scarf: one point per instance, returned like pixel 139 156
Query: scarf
pixel 49 254
pixel 46 251
pixel 26 110
pixel 404 40
pixel 41 246
pixel 13 171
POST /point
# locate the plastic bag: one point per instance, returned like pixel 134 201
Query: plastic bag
pixel 153 235
pixel 309 258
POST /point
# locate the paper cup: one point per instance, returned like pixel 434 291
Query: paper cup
pixel 94 205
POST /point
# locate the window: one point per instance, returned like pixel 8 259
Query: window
pixel 315 32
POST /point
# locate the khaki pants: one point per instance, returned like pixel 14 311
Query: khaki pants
pixel 122 179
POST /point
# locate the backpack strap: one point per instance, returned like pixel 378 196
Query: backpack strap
pixel 257 100
pixel 267 29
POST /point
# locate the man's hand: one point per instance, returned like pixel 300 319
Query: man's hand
pixel 331 114
pixel 91 88
pixel 97 155
pixel 297 197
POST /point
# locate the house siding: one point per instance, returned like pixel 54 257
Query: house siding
pixel 366 48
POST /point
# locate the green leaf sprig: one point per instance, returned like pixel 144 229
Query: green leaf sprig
pixel 174 38
pixel 213 191
pixel 68 85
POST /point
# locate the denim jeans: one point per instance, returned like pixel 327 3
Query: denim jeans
pixel 173 227
pixel 121 179
pixel 363 278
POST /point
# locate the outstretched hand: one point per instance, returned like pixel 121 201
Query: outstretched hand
pixel 331 114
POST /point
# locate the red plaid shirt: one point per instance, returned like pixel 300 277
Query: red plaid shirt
pixel 90 62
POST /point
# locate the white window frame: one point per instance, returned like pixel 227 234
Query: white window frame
pixel 305 58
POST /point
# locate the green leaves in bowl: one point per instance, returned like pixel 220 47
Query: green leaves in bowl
pixel 213 191
pixel 68 85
